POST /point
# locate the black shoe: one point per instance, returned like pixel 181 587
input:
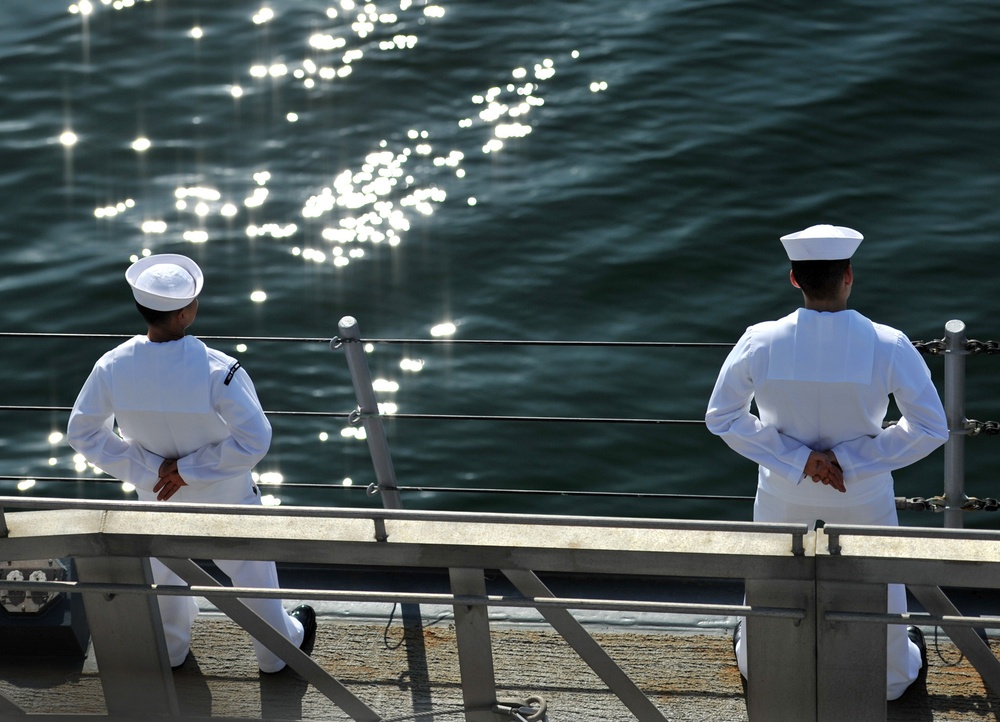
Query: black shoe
pixel 916 636
pixel 307 617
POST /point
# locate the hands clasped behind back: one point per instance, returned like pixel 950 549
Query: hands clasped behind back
pixel 822 467
pixel 169 481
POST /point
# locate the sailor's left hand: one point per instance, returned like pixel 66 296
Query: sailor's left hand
pixel 169 481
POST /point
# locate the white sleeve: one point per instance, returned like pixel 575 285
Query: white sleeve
pixel 729 417
pixel 91 432
pixel 249 437
pixel 921 429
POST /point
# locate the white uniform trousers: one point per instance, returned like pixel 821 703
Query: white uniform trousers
pixel 178 613
pixel 903 656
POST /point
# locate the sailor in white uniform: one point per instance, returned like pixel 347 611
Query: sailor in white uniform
pixel 191 430
pixel 821 378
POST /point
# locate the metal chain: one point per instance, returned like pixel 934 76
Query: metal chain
pixel 986 347
pixel 975 428
pixel 972 346
pixel 930 347
pixel 939 503
pixel 974 504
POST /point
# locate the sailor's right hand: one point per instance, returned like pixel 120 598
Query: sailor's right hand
pixel 169 481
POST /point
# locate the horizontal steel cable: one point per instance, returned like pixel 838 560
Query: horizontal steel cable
pixel 435 489
pixel 448 417
pixel 934 347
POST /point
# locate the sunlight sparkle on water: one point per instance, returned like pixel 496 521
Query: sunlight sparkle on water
pixel 55 437
pixel 263 15
pixel 271 477
pixel 443 329
pixel 68 138
pixel 116 209
pixel 206 194
pixel 196 33
pixel 258 296
pixel 25 484
pixel 377 202
pixel 241 348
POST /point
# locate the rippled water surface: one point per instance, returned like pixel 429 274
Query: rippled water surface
pixel 578 171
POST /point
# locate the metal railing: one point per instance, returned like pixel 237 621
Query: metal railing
pixel 790 624
pixel 954 347
pixel 808 615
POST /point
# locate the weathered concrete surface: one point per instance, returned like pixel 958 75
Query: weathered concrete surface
pixel 689 675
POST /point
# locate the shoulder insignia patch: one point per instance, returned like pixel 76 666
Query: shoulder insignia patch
pixel 232 372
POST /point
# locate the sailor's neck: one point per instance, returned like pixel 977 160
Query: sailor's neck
pixel 159 335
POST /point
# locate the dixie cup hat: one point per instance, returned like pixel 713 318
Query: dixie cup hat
pixel 165 282
pixel 822 243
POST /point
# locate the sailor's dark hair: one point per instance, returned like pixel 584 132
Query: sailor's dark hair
pixel 820 280
pixel 153 317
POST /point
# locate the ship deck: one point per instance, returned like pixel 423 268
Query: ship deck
pixel 685 666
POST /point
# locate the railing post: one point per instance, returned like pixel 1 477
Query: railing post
pixel 954 408
pixel 385 476
pixel 378 446
pixel 781 654
pixel 127 634
pixel 850 658
pixel 475 648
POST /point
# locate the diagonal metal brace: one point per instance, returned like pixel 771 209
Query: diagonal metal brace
pixel 10 710
pixel 589 650
pixel 294 657
pixel 966 639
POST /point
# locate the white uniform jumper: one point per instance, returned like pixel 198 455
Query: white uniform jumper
pixel 182 400
pixel 821 381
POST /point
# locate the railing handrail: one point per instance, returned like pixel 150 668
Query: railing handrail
pixel 376 514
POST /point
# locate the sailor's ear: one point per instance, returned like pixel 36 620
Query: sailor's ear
pixel 791 278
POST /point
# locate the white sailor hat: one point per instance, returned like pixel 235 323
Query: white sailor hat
pixel 165 282
pixel 822 243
